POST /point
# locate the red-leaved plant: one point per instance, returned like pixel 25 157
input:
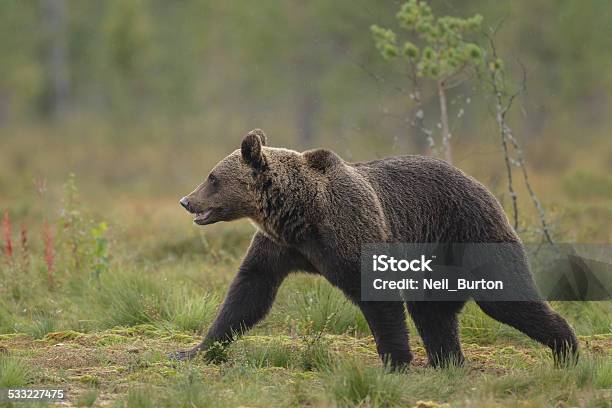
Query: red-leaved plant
pixel 25 253
pixel 8 243
pixel 49 255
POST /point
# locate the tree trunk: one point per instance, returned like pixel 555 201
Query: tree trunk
pixel 56 19
pixel 446 135
pixel 424 141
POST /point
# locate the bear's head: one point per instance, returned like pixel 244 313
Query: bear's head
pixel 274 187
pixel 225 194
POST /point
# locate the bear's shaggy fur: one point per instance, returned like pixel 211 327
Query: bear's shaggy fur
pixel 314 211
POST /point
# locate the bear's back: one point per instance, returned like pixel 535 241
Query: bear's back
pixel 427 200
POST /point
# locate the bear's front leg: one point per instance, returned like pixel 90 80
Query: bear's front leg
pixel 387 320
pixel 251 294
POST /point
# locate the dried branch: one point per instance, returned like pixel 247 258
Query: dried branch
pixel 503 103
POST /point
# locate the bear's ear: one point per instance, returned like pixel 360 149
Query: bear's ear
pixel 321 159
pixel 262 136
pixel 251 150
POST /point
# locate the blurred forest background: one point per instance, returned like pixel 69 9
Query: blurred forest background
pixel 140 98
pixel 110 111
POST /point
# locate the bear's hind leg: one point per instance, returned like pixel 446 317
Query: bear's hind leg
pixel 537 320
pixel 438 328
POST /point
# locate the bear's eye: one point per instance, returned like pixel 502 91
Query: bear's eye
pixel 212 179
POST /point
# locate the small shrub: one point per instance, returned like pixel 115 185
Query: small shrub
pixel 99 250
pixel 216 353
pixel 316 356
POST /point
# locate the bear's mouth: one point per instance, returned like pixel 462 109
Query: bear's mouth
pixel 201 218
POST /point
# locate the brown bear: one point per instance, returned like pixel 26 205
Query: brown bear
pixel 313 212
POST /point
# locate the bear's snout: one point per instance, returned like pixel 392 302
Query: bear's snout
pixel 185 203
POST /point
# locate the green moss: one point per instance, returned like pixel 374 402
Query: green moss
pixel 110 339
pixel 182 338
pixel 136 330
pixel 62 336
pixel 11 336
pixel 85 379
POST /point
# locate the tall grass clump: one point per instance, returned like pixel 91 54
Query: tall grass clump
pixel 137 398
pixel 318 306
pixel 352 383
pixel 560 386
pixel 7 320
pixel 316 356
pixel 40 323
pixel 188 312
pixel 87 399
pixel 266 353
pixel 587 318
pixel 593 372
pixel 477 327
pixel 133 297
pixel 189 389
pixel 127 299
pixel 13 373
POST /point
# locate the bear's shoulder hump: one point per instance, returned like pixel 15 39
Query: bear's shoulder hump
pixel 322 159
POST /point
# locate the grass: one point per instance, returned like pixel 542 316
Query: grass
pixel 105 337
pixel 351 383
pixel 315 305
pixel 269 371
pixel 273 353
pixel 190 312
pixel 13 372
pixel 87 398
